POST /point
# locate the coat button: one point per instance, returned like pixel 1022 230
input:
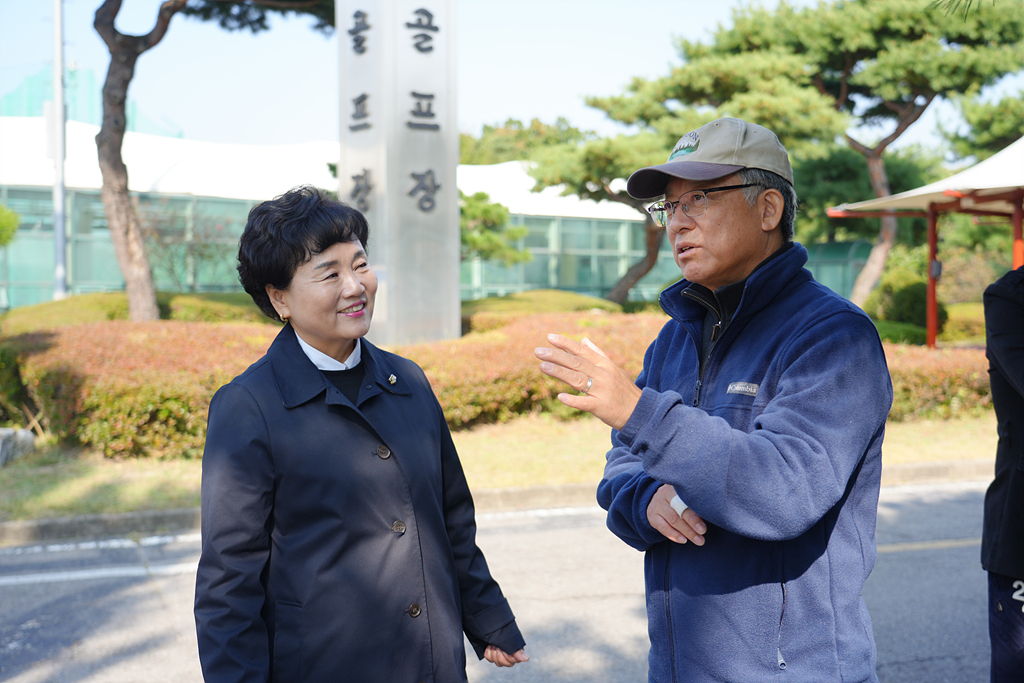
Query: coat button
pixel 398 527
pixel 383 452
pixel 414 610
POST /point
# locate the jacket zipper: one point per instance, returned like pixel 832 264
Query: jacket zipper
pixel 782 615
pixel 715 332
pixel 668 613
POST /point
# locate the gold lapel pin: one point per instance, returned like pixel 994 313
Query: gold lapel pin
pixel 392 379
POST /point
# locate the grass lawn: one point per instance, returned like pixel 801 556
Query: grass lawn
pixel 939 440
pixel 57 482
pixel 533 450
pixel 527 451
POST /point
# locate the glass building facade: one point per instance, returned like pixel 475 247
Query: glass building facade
pixel 585 255
pixel 192 244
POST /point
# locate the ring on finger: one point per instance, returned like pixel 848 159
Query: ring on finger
pixel 590 381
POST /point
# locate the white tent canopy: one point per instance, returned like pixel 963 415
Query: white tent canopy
pixel 996 177
pixel 993 187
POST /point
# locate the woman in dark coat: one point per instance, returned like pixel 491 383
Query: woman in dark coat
pixel 338 529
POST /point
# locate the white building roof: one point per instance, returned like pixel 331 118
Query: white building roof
pixel 167 165
pixel 162 164
pixel 510 184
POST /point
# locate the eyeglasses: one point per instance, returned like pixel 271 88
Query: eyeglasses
pixel 693 203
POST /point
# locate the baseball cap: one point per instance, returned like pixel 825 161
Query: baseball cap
pixel 716 149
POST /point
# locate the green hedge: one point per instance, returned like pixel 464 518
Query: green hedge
pixel 901 333
pixel 966 323
pixel 143 389
pixel 901 294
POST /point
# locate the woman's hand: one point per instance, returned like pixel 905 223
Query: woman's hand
pixel 499 657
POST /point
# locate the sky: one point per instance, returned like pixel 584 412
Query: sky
pixel 518 59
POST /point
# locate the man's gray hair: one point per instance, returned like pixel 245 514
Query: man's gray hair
pixel 772 181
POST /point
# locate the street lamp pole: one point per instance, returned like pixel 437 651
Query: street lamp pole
pixel 60 279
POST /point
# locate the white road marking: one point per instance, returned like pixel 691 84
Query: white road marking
pixel 548 512
pixel 190 567
pixel 100 573
pixel 108 544
pixel 929 545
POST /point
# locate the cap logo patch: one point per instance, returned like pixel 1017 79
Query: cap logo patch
pixel 686 145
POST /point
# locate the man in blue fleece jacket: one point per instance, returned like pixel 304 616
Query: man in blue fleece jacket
pixel 762 405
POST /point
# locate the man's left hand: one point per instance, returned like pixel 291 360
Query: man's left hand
pixel 673 525
pixel 611 395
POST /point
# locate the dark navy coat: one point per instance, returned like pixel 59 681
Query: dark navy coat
pixel 1002 541
pixel 338 539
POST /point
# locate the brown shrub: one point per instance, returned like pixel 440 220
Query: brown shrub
pixel 937 383
pixel 493 376
pixel 144 388
pixel 132 388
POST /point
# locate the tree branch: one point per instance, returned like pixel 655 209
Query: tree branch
pixel 277 4
pixel 898 109
pixel 819 83
pixel 103 22
pixel 908 115
pixel 844 82
pixel 623 198
pixel 857 146
pixel 163 19
pixel 116 41
pixel 844 85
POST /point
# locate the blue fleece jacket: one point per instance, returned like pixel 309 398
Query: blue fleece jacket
pixel 778 448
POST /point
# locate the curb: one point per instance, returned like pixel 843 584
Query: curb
pixel 98 526
pixel 187 519
pixel 535 497
pixel 982 469
pixel 486 500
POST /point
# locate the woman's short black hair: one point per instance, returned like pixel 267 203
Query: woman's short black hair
pixel 285 232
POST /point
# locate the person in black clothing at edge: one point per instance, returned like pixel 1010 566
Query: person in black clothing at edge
pixel 1002 542
pixel 338 531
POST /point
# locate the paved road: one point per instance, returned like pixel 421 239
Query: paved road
pixel 120 610
pixel 927 595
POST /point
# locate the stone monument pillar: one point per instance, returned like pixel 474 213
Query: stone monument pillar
pixel 399 151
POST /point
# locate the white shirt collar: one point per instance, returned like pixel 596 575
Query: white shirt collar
pixel 324 362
